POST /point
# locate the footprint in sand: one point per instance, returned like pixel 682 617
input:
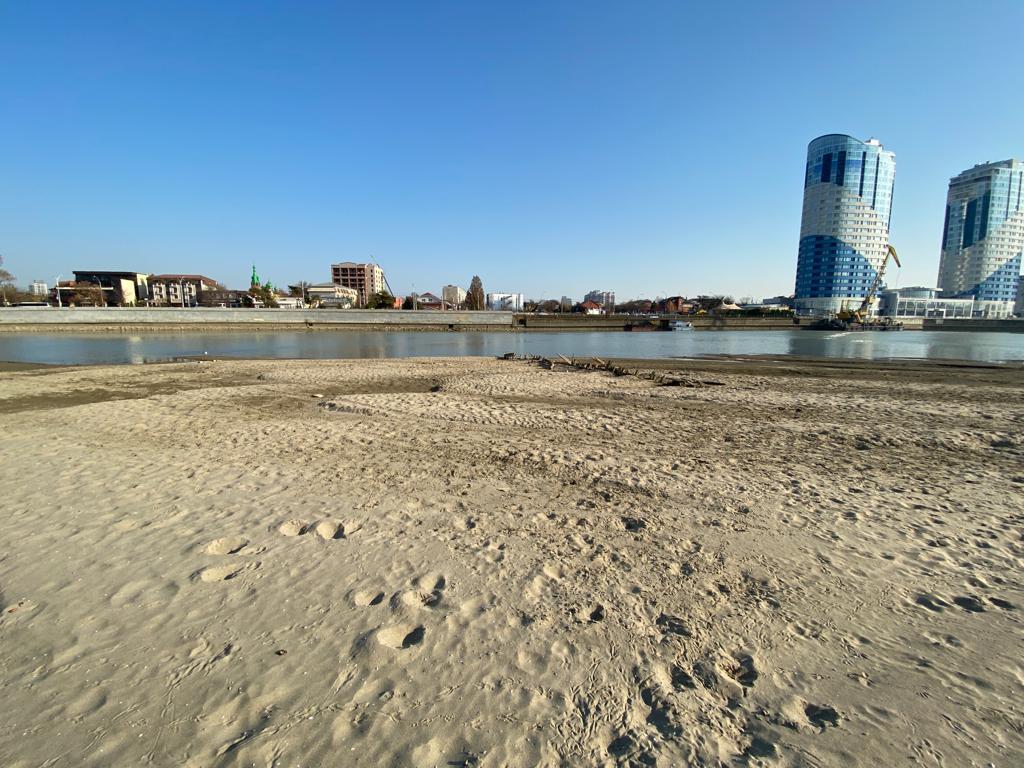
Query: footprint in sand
pixel 225 572
pixel 969 603
pixel 418 598
pixel 465 523
pixel 228 545
pixel 740 667
pixel 431 582
pixel 822 717
pixel 365 597
pixel 1006 605
pixel 292 528
pixel 330 529
pixel 672 625
pixel 931 602
pixel 401 636
pixel 805 717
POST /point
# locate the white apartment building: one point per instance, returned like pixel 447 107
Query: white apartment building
pixel 331 295
pixel 505 302
pixel 605 298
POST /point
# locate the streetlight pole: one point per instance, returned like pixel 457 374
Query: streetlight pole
pixel 56 287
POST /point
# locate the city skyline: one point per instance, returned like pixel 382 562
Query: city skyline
pixel 547 151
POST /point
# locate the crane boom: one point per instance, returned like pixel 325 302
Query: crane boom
pixel 870 297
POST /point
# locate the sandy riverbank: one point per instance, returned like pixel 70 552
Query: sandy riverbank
pixel 478 562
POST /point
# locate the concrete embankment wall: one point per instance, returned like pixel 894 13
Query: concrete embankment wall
pixel 1010 325
pixel 55 319
pixel 121 319
pixel 570 322
pixel 716 323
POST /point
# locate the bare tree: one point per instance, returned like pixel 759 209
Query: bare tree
pixel 475 296
pixel 6 280
pixel 84 295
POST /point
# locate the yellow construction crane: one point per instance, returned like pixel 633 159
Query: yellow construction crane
pixel 860 314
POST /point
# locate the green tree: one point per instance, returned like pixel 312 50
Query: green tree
pixel 475 296
pixel 408 303
pixel 263 293
pixel 381 300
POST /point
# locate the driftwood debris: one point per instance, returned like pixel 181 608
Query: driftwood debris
pixel 661 378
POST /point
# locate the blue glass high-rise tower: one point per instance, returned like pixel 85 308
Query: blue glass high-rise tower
pixel 844 232
pixel 983 237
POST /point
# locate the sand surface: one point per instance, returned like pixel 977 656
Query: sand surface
pixel 482 563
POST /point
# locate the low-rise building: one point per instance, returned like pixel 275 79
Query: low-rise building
pixel 505 302
pixel 38 288
pixel 590 307
pixel 453 295
pixel 428 301
pixel 288 302
pixel 179 290
pixel 919 301
pixel 118 289
pixel 332 295
pixel 224 297
pixel 675 305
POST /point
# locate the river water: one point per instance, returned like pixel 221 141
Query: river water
pixel 77 349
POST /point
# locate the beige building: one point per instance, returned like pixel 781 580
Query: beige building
pixel 364 279
pixel 331 295
pixel 179 290
pixel 453 295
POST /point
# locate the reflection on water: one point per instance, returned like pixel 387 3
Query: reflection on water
pixel 104 348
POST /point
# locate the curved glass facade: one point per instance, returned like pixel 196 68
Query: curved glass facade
pixel 844 231
pixel 983 236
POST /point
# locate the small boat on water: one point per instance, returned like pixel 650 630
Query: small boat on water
pixel 680 325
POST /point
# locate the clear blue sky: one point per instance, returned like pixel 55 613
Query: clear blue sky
pixel 650 148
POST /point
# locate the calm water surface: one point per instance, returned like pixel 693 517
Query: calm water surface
pixel 104 348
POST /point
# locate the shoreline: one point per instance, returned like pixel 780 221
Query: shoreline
pixel 736 363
